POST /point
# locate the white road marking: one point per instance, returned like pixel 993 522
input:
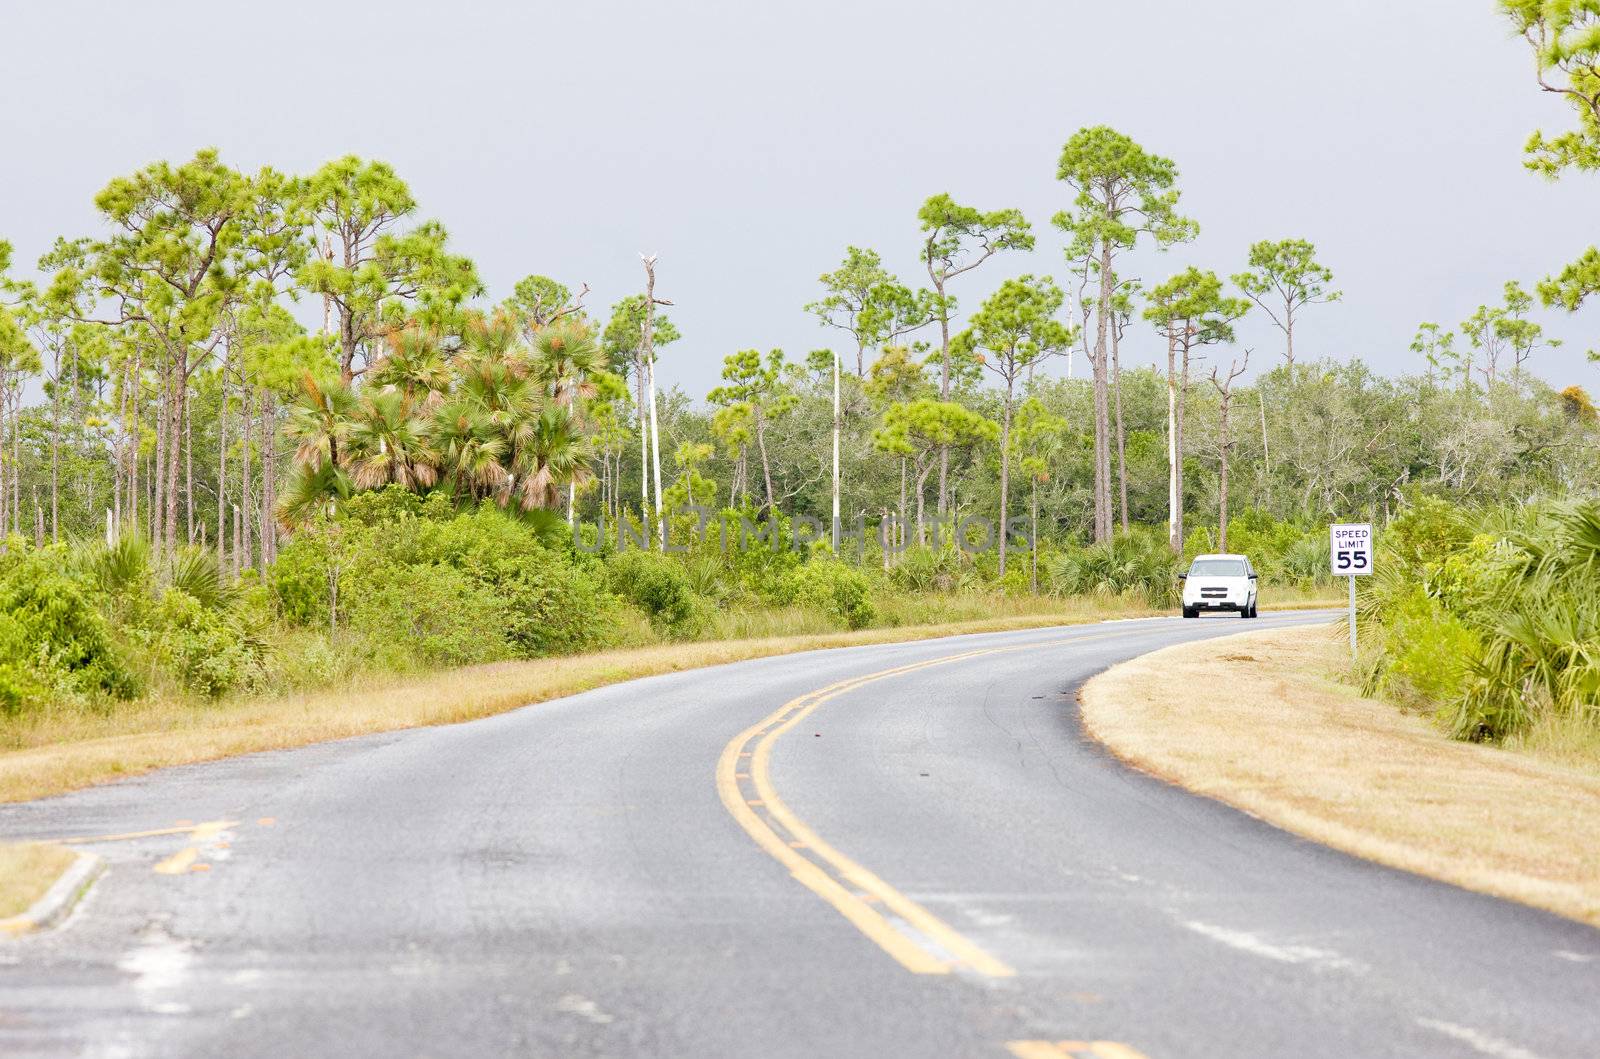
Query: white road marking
pixel 1256 946
pixel 584 1008
pixel 1480 1042
pixel 1575 957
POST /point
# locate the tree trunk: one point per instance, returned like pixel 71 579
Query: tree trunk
pixel 1222 482
pixel 55 455
pixel 222 466
pixel 1174 493
pixel 644 440
pixel 1102 446
pixel 1122 447
pixel 267 532
pixel 247 554
pixel 766 465
pixel 1005 471
pixel 944 395
pixel 649 342
pixel 837 427
pixel 1178 423
pixel 1033 558
pixel 188 465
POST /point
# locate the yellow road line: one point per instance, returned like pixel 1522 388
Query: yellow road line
pixel 205 830
pixel 178 863
pixel 851 889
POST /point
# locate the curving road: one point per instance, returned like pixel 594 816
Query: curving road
pixel 904 850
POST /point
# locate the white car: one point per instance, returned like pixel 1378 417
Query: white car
pixel 1219 582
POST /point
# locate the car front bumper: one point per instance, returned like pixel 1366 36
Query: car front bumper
pixel 1218 604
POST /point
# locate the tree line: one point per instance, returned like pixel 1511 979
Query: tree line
pixel 188 390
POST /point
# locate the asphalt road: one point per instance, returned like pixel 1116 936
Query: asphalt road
pixel 933 862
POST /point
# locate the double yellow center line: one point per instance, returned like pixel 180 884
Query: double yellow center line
pixel 918 939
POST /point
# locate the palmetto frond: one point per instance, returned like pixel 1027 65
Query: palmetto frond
pixel 565 360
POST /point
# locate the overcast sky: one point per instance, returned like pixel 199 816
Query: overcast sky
pixel 748 143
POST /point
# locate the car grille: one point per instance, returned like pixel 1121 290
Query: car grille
pixel 1213 593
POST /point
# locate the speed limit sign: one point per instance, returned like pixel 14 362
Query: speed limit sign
pixel 1350 555
pixel 1350 548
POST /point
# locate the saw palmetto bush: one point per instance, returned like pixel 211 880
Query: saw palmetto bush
pixel 1492 617
pixel 1136 563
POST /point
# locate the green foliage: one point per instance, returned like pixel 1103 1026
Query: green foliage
pixel 53 639
pixel 834 587
pixel 205 648
pixel 1512 595
pixel 512 577
pixel 943 569
pixel 430 614
pixel 1137 563
pixel 660 587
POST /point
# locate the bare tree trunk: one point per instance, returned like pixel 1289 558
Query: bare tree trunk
pixel 267 428
pixel 120 474
pixel 1033 515
pixel 1122 447
pixel 1174 463
pixel 902 527
pixel 1005 471
pixel 650 304
pixel 55 453
pixel 222 462
pixel 159 461
pixel 944 395
pixel 766 465
pixel 188 463
pixel 1179 423
pixel 246 557
pixel 837 426
pixel 1102 446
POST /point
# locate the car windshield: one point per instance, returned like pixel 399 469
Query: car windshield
pixel 1217 568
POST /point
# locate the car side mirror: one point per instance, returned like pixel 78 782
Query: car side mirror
pixel 1253 577
pixel 1183 577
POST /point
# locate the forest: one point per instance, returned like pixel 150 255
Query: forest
pixel 267 430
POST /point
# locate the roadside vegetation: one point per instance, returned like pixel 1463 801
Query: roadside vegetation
pixel 1489 619
pixel 270 434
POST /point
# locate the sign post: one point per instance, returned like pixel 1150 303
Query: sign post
pixel 1350 555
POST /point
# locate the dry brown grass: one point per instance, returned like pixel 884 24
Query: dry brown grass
pixel 27 870
pixel 67 749
pixel 1295 747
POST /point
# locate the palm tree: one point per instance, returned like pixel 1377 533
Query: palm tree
pixel 416 366
pixel 386 444
pixel 312 491
pixel 470 449
pixel 565 360
pixel 317 422
pixel 553 453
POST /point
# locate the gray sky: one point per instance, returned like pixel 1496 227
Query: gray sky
pixel 748 143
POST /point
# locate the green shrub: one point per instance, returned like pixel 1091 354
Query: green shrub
pixel 53 638
pixel 943 569
pixel 432 615
pixel 830 585
pixel 204 648
pixel 1138 563
pixel 1431 653
pixel 658 586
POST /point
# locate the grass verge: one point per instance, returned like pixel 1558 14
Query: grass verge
pixel 1292 745
pixel 27 870
pixel 67 749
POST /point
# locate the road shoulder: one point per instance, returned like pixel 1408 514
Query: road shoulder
pixel 1256 721
pixel 40 882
